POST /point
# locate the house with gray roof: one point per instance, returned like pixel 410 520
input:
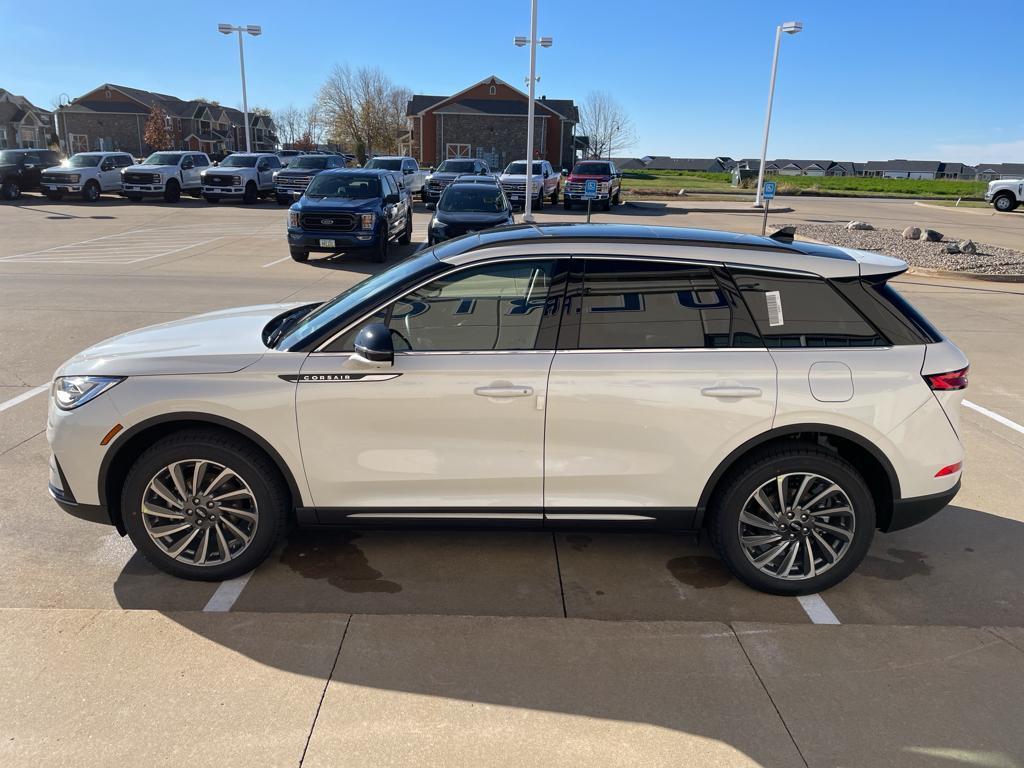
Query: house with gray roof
pixel 23 124
pixel 993 171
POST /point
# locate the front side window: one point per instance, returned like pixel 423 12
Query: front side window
pixel 649 305
pixel 803 311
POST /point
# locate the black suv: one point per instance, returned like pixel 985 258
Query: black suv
pixel 20 170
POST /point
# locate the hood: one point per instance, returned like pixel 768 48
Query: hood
pixel 151 169
pixel 307 204
pixel 64 169
pixel 446 175
pixel 216 342
pixel 585 176
pixel 291 172
pixel 537 177
pixel 467 217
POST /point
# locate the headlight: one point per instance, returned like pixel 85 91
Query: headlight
pixel 74 178
pixel 72 391
pixel 435 224
pixel 236 180
pixel 293 219
pixel 366 220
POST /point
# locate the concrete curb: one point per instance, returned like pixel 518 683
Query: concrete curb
pixel 648 204
pixel 925 272
pixel 975 211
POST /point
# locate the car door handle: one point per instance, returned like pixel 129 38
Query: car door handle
pixel 731 392
pixel 503 391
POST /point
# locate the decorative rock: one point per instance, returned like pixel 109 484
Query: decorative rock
pixel 952 248
pixel 912 233
pixel 859 225
pixel 968 246
pixel 931 235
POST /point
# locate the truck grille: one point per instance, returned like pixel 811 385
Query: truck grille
pixel 219 180
pixel 333 222
pixel 134 177
pixel 438 185
pixel 55 178
pixel 294 182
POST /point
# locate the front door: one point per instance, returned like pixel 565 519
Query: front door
pixel 455 428
pixel 110 174
pixel 659 375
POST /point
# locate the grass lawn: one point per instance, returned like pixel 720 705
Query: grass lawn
pixel 670 182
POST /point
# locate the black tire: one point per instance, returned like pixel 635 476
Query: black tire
pixel 10 189
pixel 55 196
pixel 423 196
pixel 211 198
pixel 283 200
pixel 134 198
pixel 606 204
pixel 554 196
pixel 299 254
pixel 379 252
pixel 1004 202
pixel 567 203
pixel 172 192
pixel 742 481
pixel 617 200
pixel 406 236
pixel 91 191
pixel 249 463
pixel 250 194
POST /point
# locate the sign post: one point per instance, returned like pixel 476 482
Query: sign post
pixel 589 193
pixel 767 193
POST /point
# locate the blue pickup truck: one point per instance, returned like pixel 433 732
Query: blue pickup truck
pixel 350 209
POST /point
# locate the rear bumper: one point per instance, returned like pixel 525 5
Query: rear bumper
pixel 910 512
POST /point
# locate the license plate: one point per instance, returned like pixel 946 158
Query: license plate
pixel 514 197
pixel 54 187
pixel 326 243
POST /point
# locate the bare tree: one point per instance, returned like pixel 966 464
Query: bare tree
pixel 364 107
pixel 605 123
pixel 289 124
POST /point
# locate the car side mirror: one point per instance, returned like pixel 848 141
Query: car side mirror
pixel 407 171
pixel 390 199
pixel 374 344
pixel 546 174
pixel 187 166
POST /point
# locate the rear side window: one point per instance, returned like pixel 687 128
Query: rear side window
pixel 626 304
pixel 803 311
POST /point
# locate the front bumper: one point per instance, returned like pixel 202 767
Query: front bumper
pixel 142 189
pixel 65 498
pixel 331 241
pixel 62 187
pixel 909 512
pixel 223 191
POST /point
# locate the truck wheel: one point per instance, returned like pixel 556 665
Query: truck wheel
pixel 618 197
pixel 379 252
pixel 134 198
pixel 554 197
pixel 406 236
pixel 10 190
pixel 423 196
pixel 1004 202
pixel 299 254
pixel 250 194
pixel 606 205
pixel 55 196
pixel 792 521
pixel 567 203
pixel 202 504
pixel 91 192
pixel 540 201
pixel 172 192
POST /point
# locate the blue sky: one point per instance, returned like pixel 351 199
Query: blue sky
pixel 865 80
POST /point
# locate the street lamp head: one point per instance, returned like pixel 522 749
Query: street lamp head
pixel 792 27
pixel 545 42
pixel 254 29
pixel 225 29
pixel 519 40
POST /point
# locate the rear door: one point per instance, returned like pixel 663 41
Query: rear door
pixel 659 374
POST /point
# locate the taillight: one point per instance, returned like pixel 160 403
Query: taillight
pixel 947 381
pixel 950 470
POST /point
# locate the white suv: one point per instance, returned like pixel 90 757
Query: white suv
pixel 165 174
pixel 243 176
pixel 784 396
pixel 88 174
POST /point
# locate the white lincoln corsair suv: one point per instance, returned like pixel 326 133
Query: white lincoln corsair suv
pixel 782 395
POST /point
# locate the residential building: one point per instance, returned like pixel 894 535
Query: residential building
pixel 844 168
pixel 696 164
pixel 487 120
pixel 23 124
pixel 114 117
pixel 993 171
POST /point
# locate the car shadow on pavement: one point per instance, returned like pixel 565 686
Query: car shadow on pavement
pixel 355 261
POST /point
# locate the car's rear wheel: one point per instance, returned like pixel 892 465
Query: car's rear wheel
pixel 250 194
pixel 172 192
pixel 91 192
pixel 10 189
pixel 204 505
pixel 793 521
pixel 1004 202
pixel 299 254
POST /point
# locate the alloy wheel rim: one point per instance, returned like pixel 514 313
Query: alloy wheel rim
pixel 797 526
pixel 199 512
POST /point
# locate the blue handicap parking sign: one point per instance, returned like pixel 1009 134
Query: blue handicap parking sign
pixel 769 190
pixel 590 188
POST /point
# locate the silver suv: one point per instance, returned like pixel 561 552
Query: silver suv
pixel 783 396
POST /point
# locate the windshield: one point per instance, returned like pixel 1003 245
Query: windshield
pixel 456 166
pixel 9 157
pixel 520 169
pixel 162 158
pixel 343 185
pixel 326 314
pixel 472 198
pixel 239 161
pixel 83 161
pixel 385 165
pixel 309 161
pixel 592 169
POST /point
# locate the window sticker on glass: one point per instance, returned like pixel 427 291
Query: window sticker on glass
pixel 774 300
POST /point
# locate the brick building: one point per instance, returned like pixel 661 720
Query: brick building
pixel 114 117
pixel 23 124
pixel 488 120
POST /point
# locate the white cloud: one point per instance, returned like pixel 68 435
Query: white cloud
pixel 993 152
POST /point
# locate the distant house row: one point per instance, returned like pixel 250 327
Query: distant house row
pixel 889 169
pixel 23 124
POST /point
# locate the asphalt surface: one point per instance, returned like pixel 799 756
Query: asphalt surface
pixel 315 617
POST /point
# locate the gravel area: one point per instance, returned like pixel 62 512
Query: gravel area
pixel 989 259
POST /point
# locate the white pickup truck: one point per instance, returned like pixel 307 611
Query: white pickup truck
pixel 242 175
pixel 1005 194
pixel 412 178
pixel 167 174
pixel 87 174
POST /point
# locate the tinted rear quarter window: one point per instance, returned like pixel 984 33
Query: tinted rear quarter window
pixel 803 311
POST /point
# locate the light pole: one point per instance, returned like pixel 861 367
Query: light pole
pixel 532 42
pixel 790 28
pixel 255 30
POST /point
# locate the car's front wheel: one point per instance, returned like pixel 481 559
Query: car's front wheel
pixel 10 189
pixel 205 505
pixel 793 521
pixel 406 236
pixel 172 192
pixel 91 191
pixel 299 254
pixel 250 195
pixel 1004 202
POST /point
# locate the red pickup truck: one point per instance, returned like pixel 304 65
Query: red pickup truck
pixel 609 183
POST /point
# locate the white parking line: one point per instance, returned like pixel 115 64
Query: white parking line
pixel 275 262
pixel 226 595
pixel 23 397
pixel 994 416
pixel 817 609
